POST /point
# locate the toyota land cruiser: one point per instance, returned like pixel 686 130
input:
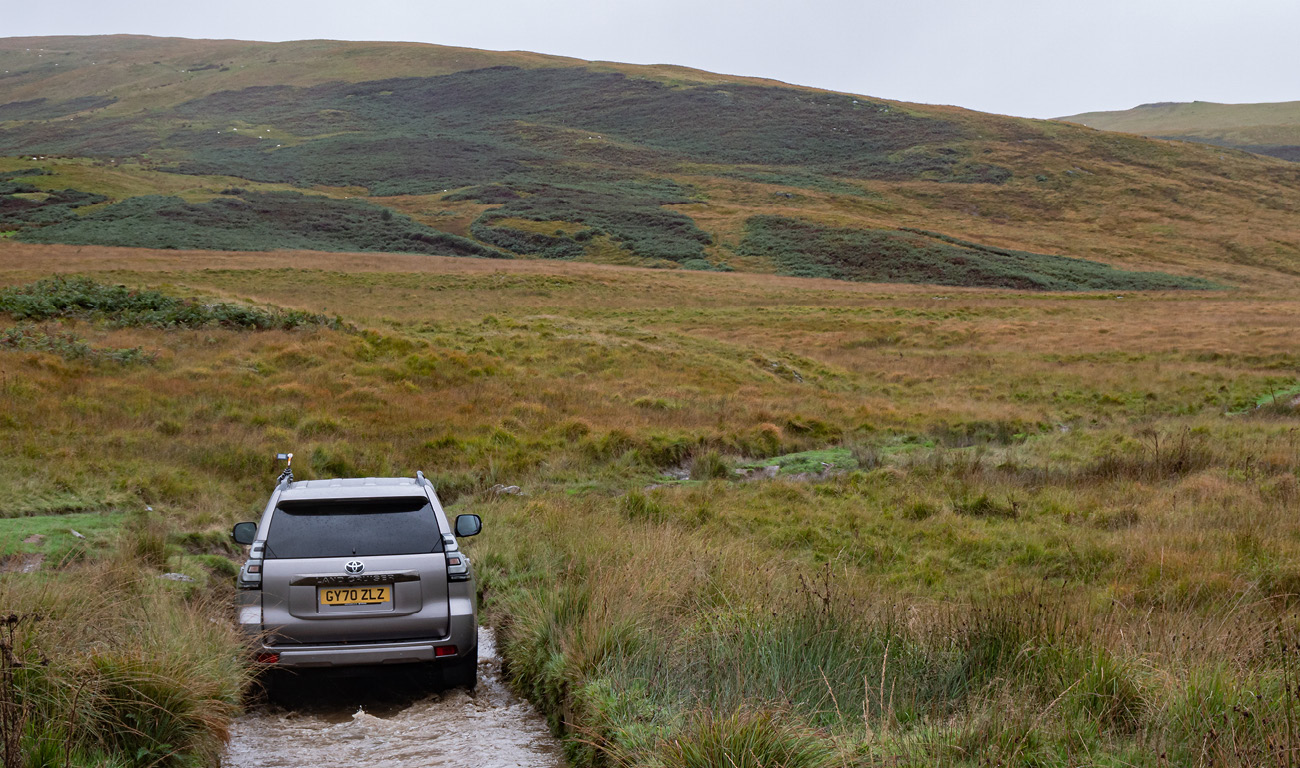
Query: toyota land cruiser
pixel 361 571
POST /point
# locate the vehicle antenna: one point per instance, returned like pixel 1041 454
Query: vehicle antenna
pixel 287 474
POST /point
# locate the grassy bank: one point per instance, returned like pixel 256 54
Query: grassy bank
pixel 926 612
pixel 1029 528
pixel 856 627
pixel 105 661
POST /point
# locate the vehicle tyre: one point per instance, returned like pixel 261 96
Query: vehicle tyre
pixel 462 673
pixel 277 685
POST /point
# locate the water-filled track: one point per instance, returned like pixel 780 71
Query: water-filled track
pixel 383 720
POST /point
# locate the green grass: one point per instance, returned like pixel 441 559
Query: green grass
pixel 814 462
pixel 1277 397
pixel 57 542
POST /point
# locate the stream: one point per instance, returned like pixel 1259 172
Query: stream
pixel 386 720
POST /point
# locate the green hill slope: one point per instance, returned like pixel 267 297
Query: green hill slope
pixel 194 144
pixel 1270 129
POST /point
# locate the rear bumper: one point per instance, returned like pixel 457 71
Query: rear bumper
pixel 370 654
pixel 463 635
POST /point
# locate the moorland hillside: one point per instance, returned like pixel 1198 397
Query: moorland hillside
pixel 387 147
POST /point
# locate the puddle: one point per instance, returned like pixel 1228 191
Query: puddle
pixel 378 720
pixel 24 563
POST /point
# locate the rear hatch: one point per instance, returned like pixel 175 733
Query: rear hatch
pixel 354 570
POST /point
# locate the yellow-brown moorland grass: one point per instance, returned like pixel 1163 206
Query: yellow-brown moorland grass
pixel 1054 529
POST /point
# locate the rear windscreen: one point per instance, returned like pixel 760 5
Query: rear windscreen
pixel 402 526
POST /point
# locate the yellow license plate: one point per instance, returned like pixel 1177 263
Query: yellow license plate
pixel 354 595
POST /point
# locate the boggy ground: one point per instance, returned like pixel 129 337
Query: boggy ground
pixel 1055 529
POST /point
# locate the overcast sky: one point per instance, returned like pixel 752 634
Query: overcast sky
pixel 1036 58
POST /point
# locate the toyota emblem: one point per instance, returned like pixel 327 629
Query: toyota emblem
pixel 354 567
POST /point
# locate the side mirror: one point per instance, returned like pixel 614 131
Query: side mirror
pixel 468 525
pixel 244 533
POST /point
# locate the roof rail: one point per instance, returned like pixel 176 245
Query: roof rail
pixel 420 479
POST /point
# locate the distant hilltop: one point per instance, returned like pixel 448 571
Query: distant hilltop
pixel 1266 129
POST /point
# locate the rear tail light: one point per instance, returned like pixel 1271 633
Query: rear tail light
pixel 272 658
pixel 457 568
pixel 444 650
pixel 250 577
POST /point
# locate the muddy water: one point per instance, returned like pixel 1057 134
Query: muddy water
pixel 385 721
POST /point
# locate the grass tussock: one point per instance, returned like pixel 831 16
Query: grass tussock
pixel 709 465
pixel 110 665
pixel 745 740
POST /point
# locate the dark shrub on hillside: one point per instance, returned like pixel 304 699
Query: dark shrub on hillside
pixel 8 175
pixel 460 124
pixel 45 109
pixel 56 297
pixel 20 213
pixel 258 222
pixel 529 243
pixel 806 249
pixel 632 213
pixel 488 193
pixel 69 346
pixel 421 135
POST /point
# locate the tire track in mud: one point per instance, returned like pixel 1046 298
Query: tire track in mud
pixel 350 726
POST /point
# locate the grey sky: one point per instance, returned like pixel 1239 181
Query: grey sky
pixel 1036 58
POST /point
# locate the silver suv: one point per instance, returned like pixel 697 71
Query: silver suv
pixel 356 572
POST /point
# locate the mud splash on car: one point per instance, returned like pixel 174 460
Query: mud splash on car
pixel 378 720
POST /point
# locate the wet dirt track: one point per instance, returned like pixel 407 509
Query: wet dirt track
pixel 384 720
